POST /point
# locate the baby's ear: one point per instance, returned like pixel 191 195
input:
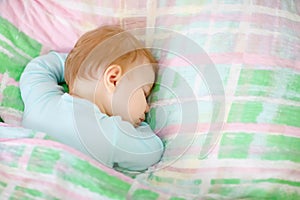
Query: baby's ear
pixel 112 75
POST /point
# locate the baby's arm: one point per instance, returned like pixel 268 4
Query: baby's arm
pixel 111 141
pixel 40 79
pixel 146 147
pixel 128 147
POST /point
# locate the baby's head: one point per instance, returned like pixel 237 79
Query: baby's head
pixel 110 67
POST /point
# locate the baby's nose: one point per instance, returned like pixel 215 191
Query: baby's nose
pixel 147 108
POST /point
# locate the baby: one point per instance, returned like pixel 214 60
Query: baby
pixel 109 75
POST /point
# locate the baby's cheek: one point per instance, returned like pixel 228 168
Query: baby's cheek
pixel 134 107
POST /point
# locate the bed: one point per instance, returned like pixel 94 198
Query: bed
pixel 226 102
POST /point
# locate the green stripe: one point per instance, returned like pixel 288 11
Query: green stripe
pixel 225 181
pixel 292 91
pixel 294 83
pixel 2 186
pixel 280 147
pixel 151 118
pixel 257 112
pixel 245 112
pixel 279 83
pixel 12 66
pixel 90 177
pixel 19 39
pixel 15 153
pixel 271 147
pixel 197 182
pixel 177 198
pixel 271 180
pixel 43 160
pixel 177 80
pixel 141 194
pixel 235 145
pixel 12 98
pixel 253 192
pixel 288 115
pixel 161 179
pixel 31 192
pixel 279 181
pixel 156 86
pixel 13 50
pixel 22 193
pixel 81 173
pixel 256 77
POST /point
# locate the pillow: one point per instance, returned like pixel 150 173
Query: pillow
pixel 254 154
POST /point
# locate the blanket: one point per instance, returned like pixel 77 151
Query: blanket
pixel 226 102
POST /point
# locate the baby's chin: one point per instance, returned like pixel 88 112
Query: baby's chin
pixel 136 124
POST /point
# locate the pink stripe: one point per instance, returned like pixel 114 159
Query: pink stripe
pixel 36 182
pixel 226 172
pixel 185 129
pixel 187 20
pixel 178 151
pixel 275 23
pixel 11 118
pixel 254 59
pixel 49 143
pixel 8 80
pixel 50 23
pixel 202 128
pixel 24 159
pixel 186 152
pixel 38 142
pixel 263 128
pixel 38 23
pixel 266 3
pixel 5 125
pixel 234 57
pixel 269 22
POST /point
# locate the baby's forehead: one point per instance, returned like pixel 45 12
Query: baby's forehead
pixel 142 63
pixel 142 60
pixel 141 73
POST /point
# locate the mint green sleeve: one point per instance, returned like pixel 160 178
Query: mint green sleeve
pixel 41 77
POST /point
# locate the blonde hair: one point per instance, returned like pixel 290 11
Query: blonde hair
pixel 100 48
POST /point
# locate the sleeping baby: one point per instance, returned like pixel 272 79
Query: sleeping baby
pixel 109 74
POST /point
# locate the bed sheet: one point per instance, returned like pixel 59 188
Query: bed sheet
pixel 252 47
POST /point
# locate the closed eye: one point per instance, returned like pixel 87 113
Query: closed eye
pixel 147 90
pixel 146 94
